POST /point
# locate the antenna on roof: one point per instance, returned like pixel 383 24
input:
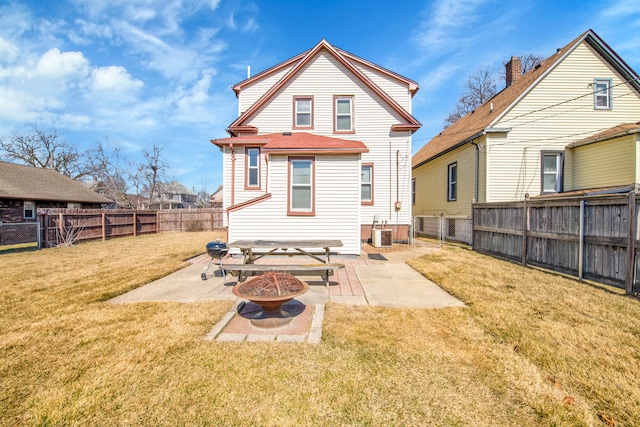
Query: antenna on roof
pixel 248 71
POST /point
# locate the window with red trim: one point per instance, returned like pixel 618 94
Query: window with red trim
pixel 303 112
pixel 301 197
pixel 343 114
pixel 252 168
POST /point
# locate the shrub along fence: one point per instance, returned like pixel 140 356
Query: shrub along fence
pixel 592 237
pixel 66 226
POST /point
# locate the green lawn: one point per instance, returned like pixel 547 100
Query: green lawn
pixel 529 349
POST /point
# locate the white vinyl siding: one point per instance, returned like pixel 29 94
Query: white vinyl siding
pixel 513 162
pixel 337 206
pixel 373 119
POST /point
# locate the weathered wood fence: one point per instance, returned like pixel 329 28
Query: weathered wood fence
pixel 60 225
pixel 593 237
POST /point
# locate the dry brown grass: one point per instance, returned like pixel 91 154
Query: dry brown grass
pixel 527 342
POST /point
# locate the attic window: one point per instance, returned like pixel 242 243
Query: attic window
pixel 602 94
pixel 343 114
pixel 303 112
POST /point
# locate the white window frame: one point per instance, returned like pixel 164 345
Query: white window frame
pixel 452 182
pixel 309 210
pixel 366 183
pixel 248 185
pixel 297 112
pixel 29 205
pixel 337 100
pixel 559 155
pixel 600 94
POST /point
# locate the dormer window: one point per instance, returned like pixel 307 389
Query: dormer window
pixel 602 94
pixel 343 114
pixel 303 112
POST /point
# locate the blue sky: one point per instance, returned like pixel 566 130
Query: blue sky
pixel 139 72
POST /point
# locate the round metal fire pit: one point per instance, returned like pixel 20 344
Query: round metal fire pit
pixel 270 291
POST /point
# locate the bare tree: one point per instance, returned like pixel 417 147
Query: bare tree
pixel 153 172
pixel 45 150
pixel 483 85
pixel 108 171
pixel 529 62
pixel 479 88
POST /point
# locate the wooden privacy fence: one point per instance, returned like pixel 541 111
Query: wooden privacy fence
pixel 60 226
pixel 594 237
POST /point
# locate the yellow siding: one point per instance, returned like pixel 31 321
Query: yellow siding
pixel 604 164
pixel 431 184
pixel 556 112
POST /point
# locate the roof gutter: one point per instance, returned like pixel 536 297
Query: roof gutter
pixel 458 145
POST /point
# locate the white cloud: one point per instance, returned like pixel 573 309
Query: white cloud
pixel 8 52
pixel 84 33
pixel 62 65
pixel 114 79
pixel 623 8
pixel 449 24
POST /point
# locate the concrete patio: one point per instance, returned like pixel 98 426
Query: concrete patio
pixel 363 281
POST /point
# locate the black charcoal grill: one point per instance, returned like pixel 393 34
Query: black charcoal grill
pixel 216 250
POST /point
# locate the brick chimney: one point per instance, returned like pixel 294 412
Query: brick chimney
pixel 513 70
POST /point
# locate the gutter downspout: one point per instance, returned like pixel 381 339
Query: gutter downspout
pixel 233 174
pixel 477 177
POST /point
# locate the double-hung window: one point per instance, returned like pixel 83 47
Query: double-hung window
pixel 413 191
pixel 343 114
pixel 552 163
pixel 303 112
pixel 366 184
pixel 252 168
pixel 301 186
pixel 602 94
pixel 452 182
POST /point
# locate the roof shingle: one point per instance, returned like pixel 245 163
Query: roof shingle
pixel 29 183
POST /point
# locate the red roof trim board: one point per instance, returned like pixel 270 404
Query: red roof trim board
pixel 305 59
pixel 249 203
pixel 299 143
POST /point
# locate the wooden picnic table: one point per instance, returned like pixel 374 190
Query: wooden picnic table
pixel 253 250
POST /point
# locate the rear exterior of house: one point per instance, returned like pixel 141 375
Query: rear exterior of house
pixel 321 149
pixel 517 144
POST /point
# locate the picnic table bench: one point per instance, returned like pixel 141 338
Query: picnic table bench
pixel 253 250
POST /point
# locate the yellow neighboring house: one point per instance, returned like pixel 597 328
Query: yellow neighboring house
pixel 569 124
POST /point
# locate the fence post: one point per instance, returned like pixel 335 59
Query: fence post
pixel 135 224
pixel 104 228
pixel 631 244
pixel 61 224
pixel 581 241
pixel 525 215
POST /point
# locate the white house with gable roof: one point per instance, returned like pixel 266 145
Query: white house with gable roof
pixel 321 148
